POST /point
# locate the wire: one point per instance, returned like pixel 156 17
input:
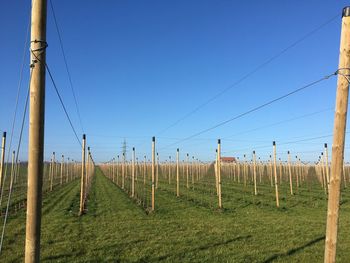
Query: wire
pixel 63 106
pixel 250 73
pixel 59 97
pixel 280 122
pixel 253 109
pixel 66 64
pixel 16 162
pixel 16 107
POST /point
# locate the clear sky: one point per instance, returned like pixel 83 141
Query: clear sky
pixel 139 66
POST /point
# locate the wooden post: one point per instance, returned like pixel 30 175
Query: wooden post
pixel 113 169
pixel 275 174
pixel 187 170
pixel 219 173
pixel 254 171
pixel 118 170
pixel 323 172
pixel 144 170
pixel 153 160
pixel 87 174
pixel 290 174
pixel 62 163
pixel 53 170
pixel 123 171
pixel 67 170
pixel 338 139
pixel 177 174
pixel 327 165
pixel 36 130
pixel 133 173
pixel 192 172
pixel 82 180
pixel 3 145
pixel 169 169
pixel 157 170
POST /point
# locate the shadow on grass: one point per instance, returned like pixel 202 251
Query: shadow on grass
pixel 294 250
pixel 198 249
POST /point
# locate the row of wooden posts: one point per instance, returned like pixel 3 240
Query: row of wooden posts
pixel 128 174
pixel 56 172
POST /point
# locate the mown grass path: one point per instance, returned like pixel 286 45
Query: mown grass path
pixel 115 229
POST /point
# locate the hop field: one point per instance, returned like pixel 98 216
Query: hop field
pixel 116 228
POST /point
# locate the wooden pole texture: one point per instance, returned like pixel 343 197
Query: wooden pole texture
pixel 177 174
pixel 36 130
pixel 3 146
pixel 290 175
pixel 254 171
pixel 133 173
pixel 275 174
pixel 82 178
pixel 341 107
pixel 153 160
pixel 219 172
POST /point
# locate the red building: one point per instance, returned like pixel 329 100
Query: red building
pixel 228 159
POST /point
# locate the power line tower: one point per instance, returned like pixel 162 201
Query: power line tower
pixel 124 149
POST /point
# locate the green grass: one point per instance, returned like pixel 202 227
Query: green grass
pixel 185 229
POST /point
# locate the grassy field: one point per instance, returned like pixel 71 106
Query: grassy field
pixel 116 229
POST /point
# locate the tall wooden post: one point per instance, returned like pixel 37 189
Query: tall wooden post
pixel 157 170
pixel 187 170
pixel 62 163
pixel 117 169
pixel 67 170
pixel 254 171
pixel 133 173
pixel 327 165
pixel 275 174
pixel 290 174
pixel 219 172
pixel 192 172
pixel 323 173
pixel 82 180
pixel 153 170
pixel 341 108
pixel 113 170
pixel 169 170
pixel 87 180
pixel 53 170
pixel 177 174
pixel 123 171
pixel 36 130
pixel 2 162
pixel 144 170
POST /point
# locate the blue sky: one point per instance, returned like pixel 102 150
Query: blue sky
pixel 139 66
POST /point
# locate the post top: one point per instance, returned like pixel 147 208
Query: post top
pixel 346 11
pixel 325 145
pixel 219 141
pixel 153 139
pixel 177 149
pixel 253 152
pixel 133 148
pixel 273 143
pixel 288 152
pixel 84 136
pixel 4 134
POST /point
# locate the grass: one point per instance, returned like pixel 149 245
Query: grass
pixel 116 229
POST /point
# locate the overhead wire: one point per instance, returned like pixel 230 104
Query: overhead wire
pixel 60 98
pixel 250 73
pixel 253 109
pixel 66 65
